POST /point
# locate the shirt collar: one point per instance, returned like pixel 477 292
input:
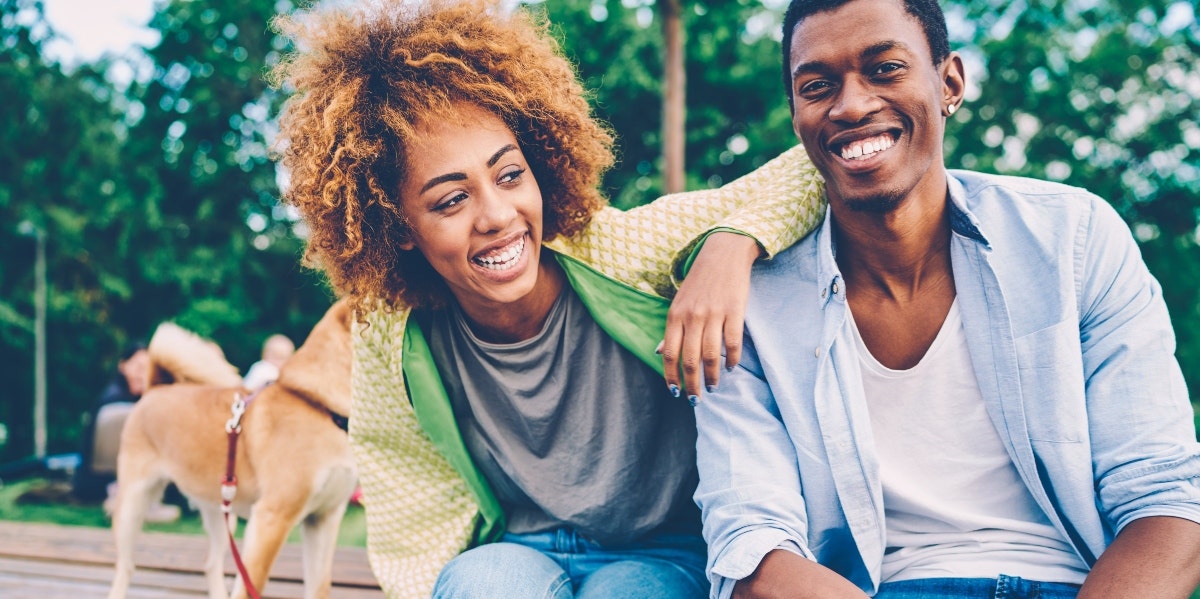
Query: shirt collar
pixel 829 277
pixel 962 220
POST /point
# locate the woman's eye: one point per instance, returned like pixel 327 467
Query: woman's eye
pixel 512 175
pixel 450 201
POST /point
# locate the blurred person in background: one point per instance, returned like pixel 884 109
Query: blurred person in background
pixel 95 477
pixel 275 351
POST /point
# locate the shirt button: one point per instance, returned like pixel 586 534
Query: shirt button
pixel 817 352
pixel 823 293
pixel 835 287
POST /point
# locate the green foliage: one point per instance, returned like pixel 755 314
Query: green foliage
pixel 158 200
pixel 735 121
pixel 59 157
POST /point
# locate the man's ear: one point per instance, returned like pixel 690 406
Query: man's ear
pixel 954 83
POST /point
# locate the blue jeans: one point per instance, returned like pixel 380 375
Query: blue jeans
pixel 1004 587
pixel 562 564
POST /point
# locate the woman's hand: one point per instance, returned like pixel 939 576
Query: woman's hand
pixel 707 313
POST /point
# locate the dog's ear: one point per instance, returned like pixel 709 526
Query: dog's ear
pixel 320 368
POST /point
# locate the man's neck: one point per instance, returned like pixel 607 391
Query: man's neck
pixel 899 282
pixel 893 254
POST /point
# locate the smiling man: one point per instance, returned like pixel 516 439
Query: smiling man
pixel 987 403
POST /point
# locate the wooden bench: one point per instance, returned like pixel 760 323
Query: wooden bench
pixel 47 561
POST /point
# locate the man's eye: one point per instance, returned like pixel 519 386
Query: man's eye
pixel 889 68
pixel 814 87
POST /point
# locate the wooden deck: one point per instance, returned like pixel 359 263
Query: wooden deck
pixel 46 561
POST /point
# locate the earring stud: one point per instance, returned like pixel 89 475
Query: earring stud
pixel 950 109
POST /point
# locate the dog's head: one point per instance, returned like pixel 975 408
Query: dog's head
pixel 320 369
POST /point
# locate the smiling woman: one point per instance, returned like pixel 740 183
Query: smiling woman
pixel 512 424
pixel 475 212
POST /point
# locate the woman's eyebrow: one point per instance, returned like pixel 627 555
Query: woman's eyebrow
pixel 461 176
pixel 502 151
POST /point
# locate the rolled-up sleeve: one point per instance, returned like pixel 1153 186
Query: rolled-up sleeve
pixel 750 490
pixel 1145 455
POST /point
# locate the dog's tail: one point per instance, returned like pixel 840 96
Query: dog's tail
pixel 181 356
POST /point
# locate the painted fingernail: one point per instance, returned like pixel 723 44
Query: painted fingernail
pixel 728 368
pixel 674 390
pixel 692 400
pixel 658 349
pixel 710 388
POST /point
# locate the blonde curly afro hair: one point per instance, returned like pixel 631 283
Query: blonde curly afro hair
pixel 364 75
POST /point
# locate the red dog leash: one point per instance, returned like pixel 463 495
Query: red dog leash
pixel 233 428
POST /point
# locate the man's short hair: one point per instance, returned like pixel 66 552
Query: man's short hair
pixel 927 12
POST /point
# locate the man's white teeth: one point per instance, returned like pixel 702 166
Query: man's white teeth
pixel 504 259
pixel 867 147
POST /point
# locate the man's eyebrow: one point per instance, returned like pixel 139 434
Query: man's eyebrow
pixel 462 177
pixel 887 45
pixel 869 52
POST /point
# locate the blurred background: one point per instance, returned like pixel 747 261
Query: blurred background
pixel 136 185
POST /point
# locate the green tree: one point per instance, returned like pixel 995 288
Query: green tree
pixel 158 200
pixel 58 165
pixel 735 119
pixel 225 256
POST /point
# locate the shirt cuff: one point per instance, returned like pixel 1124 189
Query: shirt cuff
pixel 681 263
pixel 741 557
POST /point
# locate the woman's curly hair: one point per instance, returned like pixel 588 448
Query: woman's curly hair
pixel 364 75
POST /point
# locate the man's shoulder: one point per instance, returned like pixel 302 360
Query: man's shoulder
pixel 978 184
pixel 1005 201
pixel 799 261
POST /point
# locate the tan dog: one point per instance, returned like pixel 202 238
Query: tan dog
pixel 293 461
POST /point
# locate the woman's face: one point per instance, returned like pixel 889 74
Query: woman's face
pixel 474 208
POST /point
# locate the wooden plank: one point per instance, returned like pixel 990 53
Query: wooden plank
pixel 33 578
pixel 86 555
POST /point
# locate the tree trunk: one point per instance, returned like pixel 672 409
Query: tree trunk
pixel 674 96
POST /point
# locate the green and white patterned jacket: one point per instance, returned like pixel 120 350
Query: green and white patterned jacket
pixel 425 500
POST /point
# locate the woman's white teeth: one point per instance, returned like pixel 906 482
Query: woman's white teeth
pixel 867 147
pixel 506 258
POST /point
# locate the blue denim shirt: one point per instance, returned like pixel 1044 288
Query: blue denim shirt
pixel 1070 342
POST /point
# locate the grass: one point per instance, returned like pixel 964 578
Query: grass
pixel 42 500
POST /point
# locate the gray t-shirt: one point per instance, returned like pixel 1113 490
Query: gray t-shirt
pixel 569 428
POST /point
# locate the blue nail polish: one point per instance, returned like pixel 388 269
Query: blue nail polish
pixel 692 399
pixel 710 388
pixel 674 390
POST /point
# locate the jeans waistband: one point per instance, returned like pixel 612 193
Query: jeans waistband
pixel 1002 587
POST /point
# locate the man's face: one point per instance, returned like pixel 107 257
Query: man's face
pixel 869 103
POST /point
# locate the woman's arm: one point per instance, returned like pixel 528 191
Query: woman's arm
pixel 651 246
pixel 707 314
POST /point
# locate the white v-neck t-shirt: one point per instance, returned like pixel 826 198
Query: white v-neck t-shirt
pixel 954 504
